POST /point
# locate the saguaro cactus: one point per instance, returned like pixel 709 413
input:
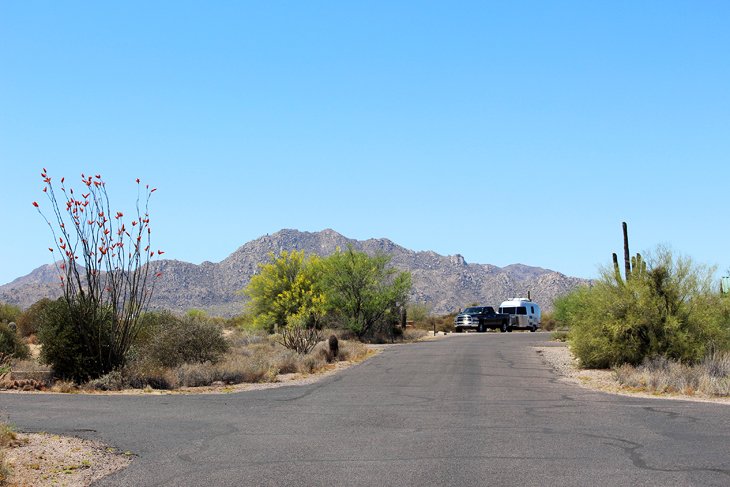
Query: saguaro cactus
pixel 627 260
pixel 632 264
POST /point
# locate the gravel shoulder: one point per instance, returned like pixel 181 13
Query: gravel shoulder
pixel 559 357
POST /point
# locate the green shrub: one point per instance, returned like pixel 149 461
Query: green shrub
pixel 76 340
pixel 116 380
pixel 12 344
pixel 176 341
pixel 9 313
pixel 418 313
pixel 29 320
pixel 667 311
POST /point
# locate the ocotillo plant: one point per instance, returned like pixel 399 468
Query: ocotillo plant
pixel 103 268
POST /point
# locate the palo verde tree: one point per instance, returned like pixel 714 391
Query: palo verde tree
pixel 286 297
pixel 103 266
pixel 364 290
pixel 286 289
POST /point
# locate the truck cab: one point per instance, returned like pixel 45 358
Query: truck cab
pixel 481 319
pixel 524 314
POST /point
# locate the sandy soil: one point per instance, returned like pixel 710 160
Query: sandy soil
pixel 561 359
pixel 44 459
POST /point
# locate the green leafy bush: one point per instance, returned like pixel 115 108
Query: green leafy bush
pixel 8 313
pixel 30 320
pixel 176 341
pixel 12 344
pixel 76 339
pixel 667 311
pixel 364 291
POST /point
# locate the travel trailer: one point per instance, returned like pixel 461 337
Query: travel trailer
pixel 524 314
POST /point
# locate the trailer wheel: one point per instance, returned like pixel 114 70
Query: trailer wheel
pixel 533 329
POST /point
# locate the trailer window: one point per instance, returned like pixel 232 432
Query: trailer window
pixel 511 310
pixel 532 310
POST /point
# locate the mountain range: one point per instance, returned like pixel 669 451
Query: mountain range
pixel 444 283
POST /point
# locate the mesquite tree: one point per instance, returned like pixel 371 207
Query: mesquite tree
pixel 103 270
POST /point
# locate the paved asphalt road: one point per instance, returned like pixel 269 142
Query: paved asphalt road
pixel 476 409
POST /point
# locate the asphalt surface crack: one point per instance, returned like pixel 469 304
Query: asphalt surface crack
pixel 631 449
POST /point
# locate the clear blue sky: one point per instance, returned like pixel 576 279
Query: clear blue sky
pixel 504 131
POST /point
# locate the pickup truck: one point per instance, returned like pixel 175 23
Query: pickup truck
pixel 481 319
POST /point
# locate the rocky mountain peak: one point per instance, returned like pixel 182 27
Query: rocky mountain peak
pixel 446 283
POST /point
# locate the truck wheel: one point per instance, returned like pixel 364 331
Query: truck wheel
pixel 533 329
pixel 503 328
pixel 509 329
pixel 458 330
pixel 480 328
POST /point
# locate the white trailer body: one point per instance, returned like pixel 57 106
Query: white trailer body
pixel 525 314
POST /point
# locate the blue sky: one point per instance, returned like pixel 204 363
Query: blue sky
pixel 504 131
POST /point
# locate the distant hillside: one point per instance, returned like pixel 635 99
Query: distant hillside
pixel 444 282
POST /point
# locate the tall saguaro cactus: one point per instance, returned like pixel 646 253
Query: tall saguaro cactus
pixel 627 259
pixel 632 264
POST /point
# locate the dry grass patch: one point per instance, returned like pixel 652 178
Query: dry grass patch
pixel 711 377
pixel 706 381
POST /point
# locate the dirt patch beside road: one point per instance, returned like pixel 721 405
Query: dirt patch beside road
pixel 560 358
pixel 45 459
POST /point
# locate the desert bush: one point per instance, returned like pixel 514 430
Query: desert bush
pixel 669 310
pixel 548 321
pixel 30 320
pixel 243 338
pixel 9 313
pixel 238 369
pixel 12 344
pixel 176 341
pixel 142 375
pixel 65 387
pixel 413 334
pixel 418 313
pixel 444 323
pixel 151 323
pixel 313 362
pixel 116 380
pixel 288 363
pixel 297 335
pixel 75 341
pixel 195 374
pixel 351 350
